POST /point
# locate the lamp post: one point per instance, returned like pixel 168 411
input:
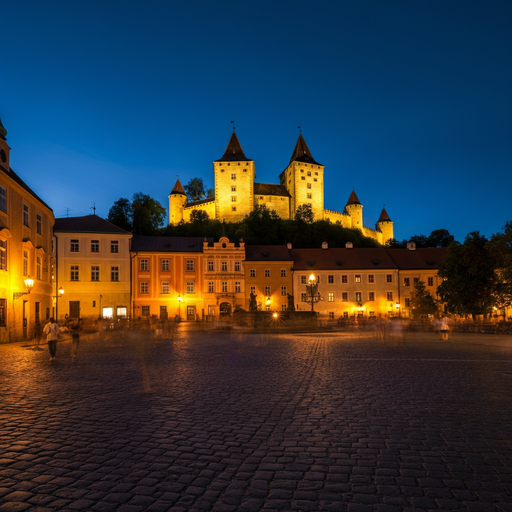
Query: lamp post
pixel 29 284
pixel 60 293
pixel 312 294
pixel 397 306
pixel 180 300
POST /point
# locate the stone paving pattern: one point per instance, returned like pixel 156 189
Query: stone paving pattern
pixel 248 422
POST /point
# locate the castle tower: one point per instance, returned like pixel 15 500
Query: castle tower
pixel 234 183
pixel 304 180
pixel 355 209
pixel 385 226
pixel 4 148
pixel 177 201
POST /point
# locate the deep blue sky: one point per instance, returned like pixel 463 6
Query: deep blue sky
pixel 409 102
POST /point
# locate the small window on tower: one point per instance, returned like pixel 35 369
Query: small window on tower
pixel 233 208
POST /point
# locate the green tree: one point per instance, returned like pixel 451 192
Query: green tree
pixel 393 243
pixel 210 193
pixel 422 302
pixel 440 238
pixel 120 214
pixel 469 278
pixel 305 214
pixel 500 247
pixel 195 189
pixel 199 217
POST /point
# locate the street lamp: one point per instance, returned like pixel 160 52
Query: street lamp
pixel 180 300
pixel 312 294
pixel 29 284
pixel 60 293
pixel 397 306
pixel 267 303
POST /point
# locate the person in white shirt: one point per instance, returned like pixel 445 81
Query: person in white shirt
pixel 51 329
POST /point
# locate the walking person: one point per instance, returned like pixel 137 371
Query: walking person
pixel 445 328
pixel 75 336
pixel 51 329
pixel 38 332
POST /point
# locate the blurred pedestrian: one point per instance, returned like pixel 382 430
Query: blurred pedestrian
pixel 75 337
pixel 445 328
pixel 436 324
pixel 51 329
pixel 38 332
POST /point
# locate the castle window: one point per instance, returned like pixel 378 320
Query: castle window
pixel 233 189
pixel 309 196
pixel 144 264
pixel 309 185
pixel 190 287
pixel 229 164
pixel 233 208
pixel 165 265
pixel 253 289
pixel 314 179
pixel 233 176
pixel 407 281
pixel 302 279
pixel 245 170
pixel 302 178
pixel 267 291
pixel 233 199
pixel 309 173
pixel 331 296
pixel 238 163
pixel 144 287
pixel 316 174
pixel 224 286
pixel 302 170
pixel 389 278
pixel 407 303
pixel 283 272
pixel 222 170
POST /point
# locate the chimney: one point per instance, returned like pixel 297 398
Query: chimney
pixel 289 245
pixel 349 245
pixel 325 245
pixel 411 246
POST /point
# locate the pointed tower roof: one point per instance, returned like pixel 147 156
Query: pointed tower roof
pixel 301 152
pixel 353 198
pixel 3 131
pixel 234 151
pixel 384 216
pixel 178 189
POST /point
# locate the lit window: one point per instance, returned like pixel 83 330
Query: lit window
pixel 267 273
pixel 371 278
pixel 284 293
pixel 358 296
pixel 224 286
pixel 190 265
pixel 166 287
pixel 114 246
pixel 3 254
pixel 144 264
pixel 3 199
pixel 390 295
pixel 344 296
pixel 75 246
pixel 144 287
pixel 252 272
pixel 114 273
pixel 283 272
pixel 95 273
pixel 238 287
pixel 165 265
pixel 190 287
pixel 25 263
pixel 331 296
pixel 38 223
pixel 224 266
pixel 237 266
pixel 38 267
pixel 358 278
pixel 330 279
pixel 211 286
pixel 74 273
pixel 25 214
pixel 371 296
pixel 95 246
pixel 267 291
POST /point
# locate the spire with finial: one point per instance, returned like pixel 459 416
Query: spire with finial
pixel 301 152
pixel 234 151
pixel 384 217
pixel 178 189
pixel 353 198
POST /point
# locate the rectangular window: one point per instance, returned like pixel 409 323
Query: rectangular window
pixel 233 176
pixel 95 273
pixel 38 223
pixel 144 264
pixel 303 297
pixel 284 307
pixel 3 254
pixel 145 310
pixel 331 315
pixel 163 312
pixel 238 287
pixel 371 278
pixel 309 196
pixel 344 279
pixel 95 246
pixel 3 199
pixel 389 278
pixel 430 281
pixel 309 185
pixel 233 199
pixel 3 306
pixel 267 291
pixel 190 266
pixel 303 280
pixel 165 265
pixel 190 287
pixel 330 279
pixel 303 178
pixel 25 214
pixel 211 286
pixel 75 246
pixel 224 266
pixel 253 289
pixel 233 189
pixel 144 287
pixel 74 273
pixel 284 293
pixel 371 296
pixel 210 265
pixel 233 208
pixel 331 296
pixel 252 272
pixel 358 278
pixel 416 280
pixel 283 272
pixel 344 296
pixel 237 266
pixel 224 287
pixel 38 267
pixel 114 273
pixel 309 173
pixel 390 296
pixel 407 281
pixel 407 303
pixel 114 247
pixel 166 287
pixel 25 263
pixel 358 296
pixel 267 273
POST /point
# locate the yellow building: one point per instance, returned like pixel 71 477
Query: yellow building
pixel 93 268
pixel 224 289
pixel 26 224
pixel 168 277
pixel 268 275
pixel 301 183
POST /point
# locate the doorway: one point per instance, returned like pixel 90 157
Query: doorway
pixel 191 313
pixel 225 309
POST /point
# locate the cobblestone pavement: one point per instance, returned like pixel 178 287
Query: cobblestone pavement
pixel 225 422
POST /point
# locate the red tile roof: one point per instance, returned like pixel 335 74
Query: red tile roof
pixel 86 224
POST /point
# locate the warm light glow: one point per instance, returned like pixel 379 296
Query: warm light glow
pixel 275 315
pixel 268 301
pixel 61 291
pixel 397 305
pixel 29 283
pixel 312 278
pixel 179 299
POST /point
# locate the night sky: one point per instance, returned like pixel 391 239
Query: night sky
pixel 409 102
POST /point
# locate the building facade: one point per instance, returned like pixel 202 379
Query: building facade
pixel 93 269
pixel 26 224
pixel 301 183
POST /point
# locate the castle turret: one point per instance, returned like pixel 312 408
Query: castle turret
pixel 385 226
pixel 177 201
pixel 355 209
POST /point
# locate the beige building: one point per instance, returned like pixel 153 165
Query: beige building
pixel 301 183
pixel 26 224
pixel 93 268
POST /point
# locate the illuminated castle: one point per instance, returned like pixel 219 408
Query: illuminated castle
pixel 301 183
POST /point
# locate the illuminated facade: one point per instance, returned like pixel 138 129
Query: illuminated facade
pixel 26 224
pixel 93 268
pixel 301 183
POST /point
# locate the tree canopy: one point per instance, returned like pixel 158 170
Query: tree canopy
pixel 422 301
pixel 195 190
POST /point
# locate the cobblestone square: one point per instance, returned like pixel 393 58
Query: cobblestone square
pixel 228 421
